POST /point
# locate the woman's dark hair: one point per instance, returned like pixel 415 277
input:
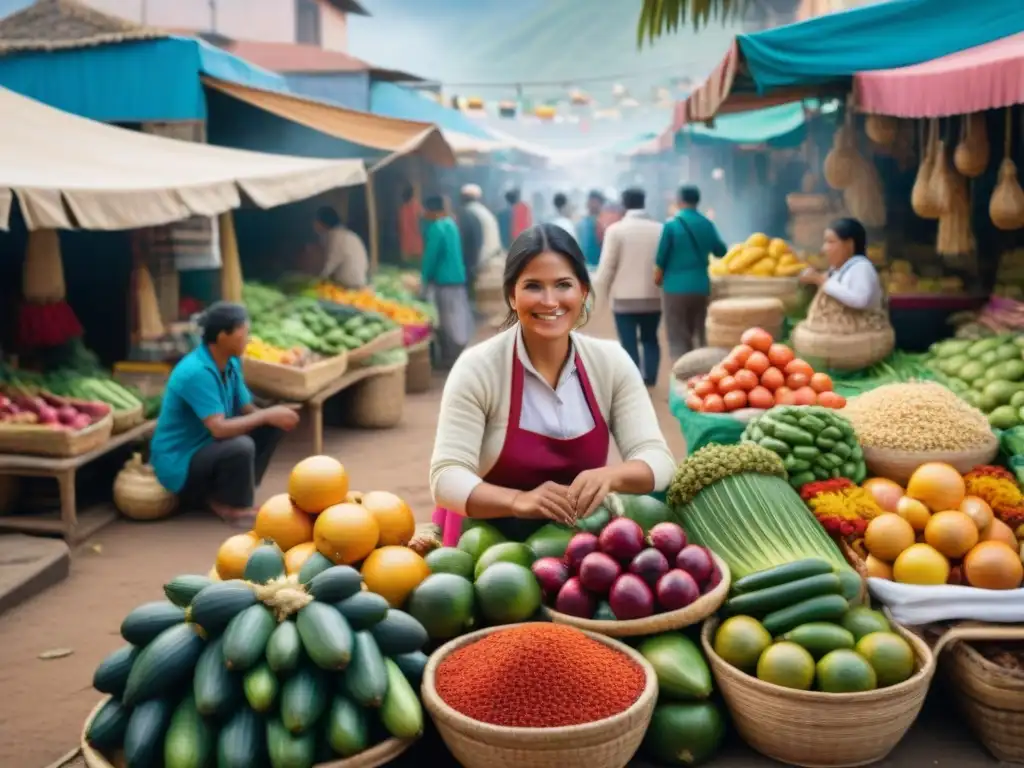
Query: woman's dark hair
pixel 539 239
pixel 689 194
pixel 851 229
pixel 328 217
pixel 634 199
pixel 434 204
pixel 222 317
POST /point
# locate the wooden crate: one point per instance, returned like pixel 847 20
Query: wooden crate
pixel 292 382
pixel 38 440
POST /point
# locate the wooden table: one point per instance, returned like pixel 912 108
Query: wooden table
pixel 64 471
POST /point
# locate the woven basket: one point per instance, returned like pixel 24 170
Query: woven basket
pixel 723 335
pixel 35 440
pixel 800 202
pixel 785 289
pixel 378 401
pixel 991 697
pixel 900 465
pixel 608 743
pixel 750 311
pixel 418 373
pixel 289 382
pixel 821 730
pixel 375 756
pixel 125 420
pixel 139 495
pixel 661 622
pixel 843 351
pixel 698 361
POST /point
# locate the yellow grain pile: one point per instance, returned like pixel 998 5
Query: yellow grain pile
pixel 916 417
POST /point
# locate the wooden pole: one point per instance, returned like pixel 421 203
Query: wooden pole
pixel 372 224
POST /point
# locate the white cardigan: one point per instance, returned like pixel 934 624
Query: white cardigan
pixel 474 414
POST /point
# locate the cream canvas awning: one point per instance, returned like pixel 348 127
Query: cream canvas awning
pixel 69 172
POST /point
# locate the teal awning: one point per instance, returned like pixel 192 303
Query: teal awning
pixel 781 126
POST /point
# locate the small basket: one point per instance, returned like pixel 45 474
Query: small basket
pixel 661 622
pixel 900 465
pixel 608 743
pixel 785 289
pixel 418 373
pixel 821 730
pixel 728 335
pixel 138 494
pixel 990 696
pixel 843 351
pixel 378 401
pixel 698 361
pixel 380 754
pixel 125 420
pixel 36 440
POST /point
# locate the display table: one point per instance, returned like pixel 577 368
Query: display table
pixel 67 523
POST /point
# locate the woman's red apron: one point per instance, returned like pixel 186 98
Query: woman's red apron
pixel 528 459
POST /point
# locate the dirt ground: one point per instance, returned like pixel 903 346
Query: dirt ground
pixel 44 702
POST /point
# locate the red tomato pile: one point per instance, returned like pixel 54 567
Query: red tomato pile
pixel 760 374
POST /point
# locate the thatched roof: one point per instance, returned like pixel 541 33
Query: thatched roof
pixel 50 25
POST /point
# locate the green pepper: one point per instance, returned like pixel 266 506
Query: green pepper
pixel 774 445
pixel 842 450
pixel 806 452
pixel 832 433
pixel 849 469
pixel 812 423
pixel 765 424
pixel 825 444
pixel 754 433
pixel 801 479
pixel 793 435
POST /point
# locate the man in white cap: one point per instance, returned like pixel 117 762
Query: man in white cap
pixel 481 233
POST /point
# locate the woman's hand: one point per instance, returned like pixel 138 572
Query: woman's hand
pixel 589 489
pixel 810 277
pixel 548 501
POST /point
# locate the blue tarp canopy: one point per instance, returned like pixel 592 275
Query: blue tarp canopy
pixel 784 125
pixel 406 104
pixel 785 62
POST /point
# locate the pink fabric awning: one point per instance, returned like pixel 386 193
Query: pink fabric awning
pixel 986 77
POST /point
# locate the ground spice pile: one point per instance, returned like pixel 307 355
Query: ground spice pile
pixel 538 676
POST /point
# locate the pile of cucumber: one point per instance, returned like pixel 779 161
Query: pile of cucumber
pixel 815 443
pixel 215 676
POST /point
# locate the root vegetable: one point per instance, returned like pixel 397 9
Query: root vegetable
pixel 47 415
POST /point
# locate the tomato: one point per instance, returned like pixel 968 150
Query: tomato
pixel 831 400
pixel 799 366
pixel 713 404
pixel 805 396
pixel 796 380
pixel 784 396
pixel 735 399
pixel 717 374
pixel 760 397
pixel 746 380
pixel 728 384
pixel 694 403
pixel 758 363
pixel 772 379
pixel 741 353
pixel 730 364
pixel 704 388
pixel 757 339
pixel 780 355
pixel 821 382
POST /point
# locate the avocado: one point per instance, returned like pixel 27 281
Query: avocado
pixel 1004 417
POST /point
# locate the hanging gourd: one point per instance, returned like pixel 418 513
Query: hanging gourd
pixel 921 199
pixel 45 319
pixel 881 129
pixel 972 153
pixel 839 165
pixel 940 184
pixel 1006 208
pixel 955 235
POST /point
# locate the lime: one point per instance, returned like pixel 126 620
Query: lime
pixel 788 665
pixel 740 641
pixel 889 655
pixel 450 560
pixel 505 552
pixel 845 671
pixel 863 621
pixel 478 539
pixel 507 593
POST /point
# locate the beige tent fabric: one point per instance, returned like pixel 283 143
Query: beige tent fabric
pixel 388 134
pixel 69 172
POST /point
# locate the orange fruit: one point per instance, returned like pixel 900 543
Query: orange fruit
pixel 317 483
pixel 1000 531
pixel 878 569
pixel 234 553
pixel 978 510
pixel 914 512
pixel 345 533
pixel 886 493
pixel 951 532
pixel 993 565
pixel 921 564
pixel 887 536
pixel 283 523
pixel 393 572
pixel 297 556
pixel 354 497
pixel 938 485
pixel 395 519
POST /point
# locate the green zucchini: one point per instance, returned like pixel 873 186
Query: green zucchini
pixel 363 609
pixel 304 698
pixel 766 425
pixel 775 446
pixel 216 605
pixel 755 434
pixel 284 648
pixel 182 589
pixel 335 584
pixel 287 750
pixel 242 742
pixel 164 664
pixel 216 688
pixel 366 678
pixel 245 639
pixel 398 632
pixel 765 601
pixel 412 666
pixel 143 624
pixel 348 729
pixel 107 728
pixel 401 712
pixel 820 608
pixel 261 687
pixel 853 585
pixel 820 637
pixel 315 564
pixel 189 742
pixel 325 635
pixel 782 574
pixel 111 675
pixel 144 736
pixel 266 563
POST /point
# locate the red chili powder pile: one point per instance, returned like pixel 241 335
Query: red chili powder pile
pixel 538 676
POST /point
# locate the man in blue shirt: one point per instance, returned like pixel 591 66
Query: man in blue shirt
pixel 587 234
pixel 444 278
pixel 212 445
pixel 681 269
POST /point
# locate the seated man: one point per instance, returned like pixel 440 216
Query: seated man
pixel 212 445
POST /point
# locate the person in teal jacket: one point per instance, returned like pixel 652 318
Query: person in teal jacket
pixel 444 279
pixel 681 269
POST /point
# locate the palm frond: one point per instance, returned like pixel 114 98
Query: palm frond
pixel 661 17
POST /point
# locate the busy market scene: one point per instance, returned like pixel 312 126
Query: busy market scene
pixel 553 384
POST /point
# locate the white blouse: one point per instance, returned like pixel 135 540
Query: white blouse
pixel 855 284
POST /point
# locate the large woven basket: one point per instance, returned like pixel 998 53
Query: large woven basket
pixel 139 495
pixel 418 373
pixel 900 465
pixel 661 622
pixel 843 351
pixel 785 289
pixel 375 756
pixel 821 730
pixel 608 743
pixel 378 401
pixel 990 696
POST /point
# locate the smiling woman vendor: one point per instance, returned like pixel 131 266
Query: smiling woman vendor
pixel 527 417
pixel 212 445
